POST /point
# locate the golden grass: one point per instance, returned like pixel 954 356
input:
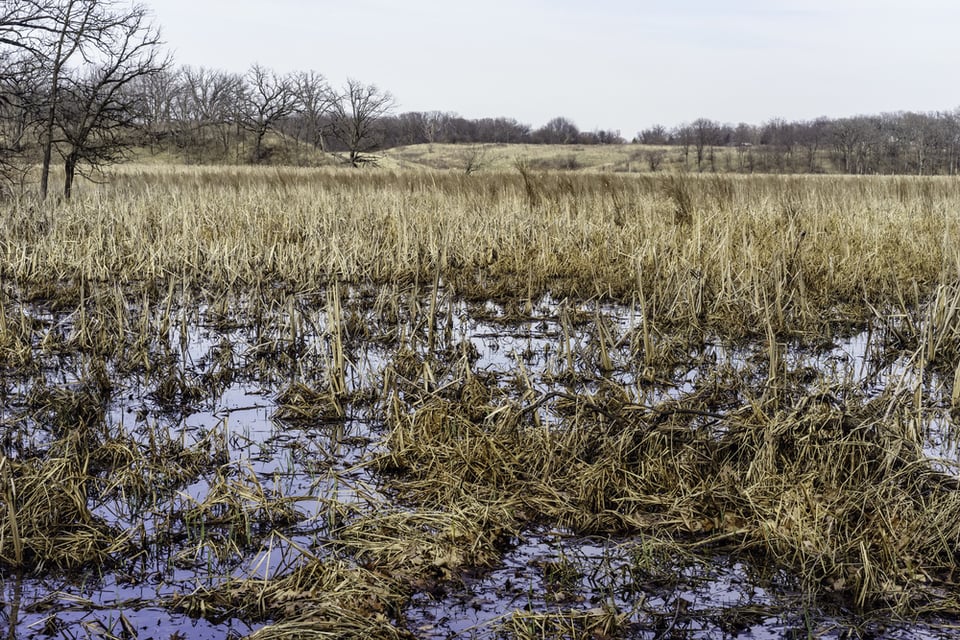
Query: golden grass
pixel 323 598
pixel 765 465
pixel 844 497
pixel 722 253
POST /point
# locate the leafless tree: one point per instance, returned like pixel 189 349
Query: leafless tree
pixel 99 106
pixel 557 131
pixel 655 158
pixel 356 113
pixel 919 139
pixel 315 101
pixel 683 136
pixel 23 23
pixel 77 23
pixel 435 124
pixel 811 137
pixel 850 138
pixel 269 98
pixel 158 94
pixel 704 138
pixel 208 100
pixel 655 135
pixel 474 158
pixel 20 76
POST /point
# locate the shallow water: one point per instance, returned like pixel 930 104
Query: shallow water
pixel 314 462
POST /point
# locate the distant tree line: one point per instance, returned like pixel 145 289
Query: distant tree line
pixel 210 115
pixel 420 127
pixel 890 143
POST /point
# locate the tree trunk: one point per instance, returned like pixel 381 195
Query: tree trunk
pixel 52 112
pixel 69 171
pixel 258 144
pixel 78 31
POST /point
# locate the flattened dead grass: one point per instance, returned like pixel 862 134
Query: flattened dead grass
pixel 839 494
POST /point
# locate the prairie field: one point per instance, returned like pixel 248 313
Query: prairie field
pixel 521 402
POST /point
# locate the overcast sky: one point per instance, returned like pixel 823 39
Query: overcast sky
pixel 610 64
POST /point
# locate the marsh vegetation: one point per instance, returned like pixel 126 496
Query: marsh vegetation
pixel 329 403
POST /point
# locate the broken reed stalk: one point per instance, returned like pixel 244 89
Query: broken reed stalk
pixel 432 312
pixel 644 320
pixel 603 336
pixel 567 346
pixel 338 364
pixel 10 498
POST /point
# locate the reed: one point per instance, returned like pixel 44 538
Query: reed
pixel 720 252
pixel 343 296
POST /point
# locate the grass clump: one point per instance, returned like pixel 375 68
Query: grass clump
pixel 46 523
pixel 300 402
pixel 321 598
pixel 574 624
pixel 841 496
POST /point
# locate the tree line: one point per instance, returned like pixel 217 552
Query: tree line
pixel 84 81
pixel 890 143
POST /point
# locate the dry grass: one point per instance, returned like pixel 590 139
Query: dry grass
pixel 320 599
pixel 723 253
pixel 840 495
pixel 828 483
pixel 574 624
pixel 46 524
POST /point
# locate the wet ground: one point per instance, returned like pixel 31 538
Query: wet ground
pixel 213 385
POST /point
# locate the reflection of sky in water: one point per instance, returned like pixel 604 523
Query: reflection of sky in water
pixel 316 463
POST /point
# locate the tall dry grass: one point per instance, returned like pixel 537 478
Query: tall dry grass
pixel 729 253
pixel 771 468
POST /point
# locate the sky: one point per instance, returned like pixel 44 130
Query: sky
pixel 604 64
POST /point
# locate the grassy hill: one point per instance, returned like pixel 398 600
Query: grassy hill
pixel 499 157
pixel 495 157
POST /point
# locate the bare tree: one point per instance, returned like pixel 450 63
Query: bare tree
pixel 557 131
pixel 704 138
pixel 811 138
pixel 355 119
pixel 208 100
pixel 474 158
pixel 655 135
pixel 847 136
pixel 20 75
pixel 683 136
pixel 315 100
pixel 919 137
pixel 269 98
pixel 23 24
pixel 77 21
pixel 158 94
pixel 99 106
pixel 655 158
pixel 435 124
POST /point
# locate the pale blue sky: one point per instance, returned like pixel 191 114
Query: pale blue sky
pixel 608 64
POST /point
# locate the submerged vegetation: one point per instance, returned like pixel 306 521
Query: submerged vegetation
pixel 329 403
